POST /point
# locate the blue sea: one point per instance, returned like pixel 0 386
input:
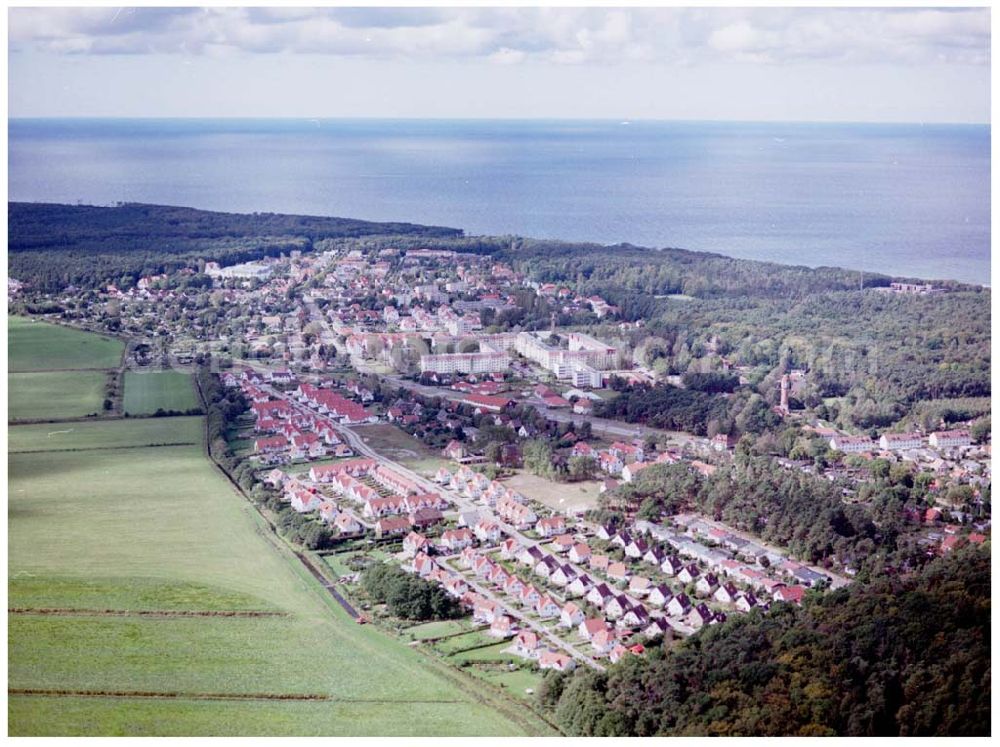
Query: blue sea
pixel 909 200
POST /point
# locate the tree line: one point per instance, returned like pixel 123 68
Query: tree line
pixel 902 656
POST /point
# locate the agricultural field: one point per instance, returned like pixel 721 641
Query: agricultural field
pixel 97 537
pixel 145 393
pixel 55 395
pixel 56 372
pixel 48 716
pixel 95 435
pixel 40 346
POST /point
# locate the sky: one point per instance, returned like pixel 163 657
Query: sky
pixel 769 64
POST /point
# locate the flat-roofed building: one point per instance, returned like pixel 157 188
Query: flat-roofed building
pixel 467 363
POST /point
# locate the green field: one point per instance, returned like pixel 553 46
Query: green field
pixel 517 681
pixel 95 435
pixel 436 629
pixel 39 346
pixel 145 393
pixel 487 653
pixel 465 641
pixel 47 716
pixel 156 528
pixel 54 395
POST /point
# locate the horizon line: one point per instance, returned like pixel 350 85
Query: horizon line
pixel 619 120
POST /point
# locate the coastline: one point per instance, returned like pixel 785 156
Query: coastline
pixel 865 197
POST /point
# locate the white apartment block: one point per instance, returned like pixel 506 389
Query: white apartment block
pixel 466 363
pixel 581 351
pixel 950 439
pixel 901 441
pixel 463 325
pixel 851 444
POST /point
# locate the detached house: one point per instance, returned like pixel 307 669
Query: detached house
pixel 588 628
pixel 635 617
pixel 550 526
pixel 654 556
pixel 746 602
pixel 599 563
pixel 391 525
pixel 791 594
pixel 603 641
pixel 422 565
pixel 617 606
pixel 546 607
pixel 570 616
pixel 658 626
pixel 510 548
pixel 639 585
pixel 679 606
pixel 502 627
pixel 555 660
pixel 414 542
pixel 580 586
pixel 347 524
pixel 456 586
pixel 671 566
pixel 579 553
pixel 487 531
pixel 563 575
pixel 456 539
pixel 599 595
pixel 484 611
pixel 562 543
pixel 636 548
pixel 688 574
pixel 530 596
pixel 727 594
pixel 707 584
pixel 618 572
pixel 526 644
pixel 700 616
pixel 659 595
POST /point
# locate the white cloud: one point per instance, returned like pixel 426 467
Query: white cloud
pixel 515 35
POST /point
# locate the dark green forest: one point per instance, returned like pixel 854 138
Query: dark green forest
pixel 790 508
pixel 901 656
pixel 51 246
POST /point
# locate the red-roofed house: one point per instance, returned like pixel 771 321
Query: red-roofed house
pixel 792 594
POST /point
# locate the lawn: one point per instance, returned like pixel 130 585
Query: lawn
pixel 157 528
pixel 559 496
pixel 97 434
pixel 517 681
pixel 54 395
pixel 145 393
pixel 496 652
pixel 396 444
pixel 464 641
pixel 436 629
pixel 40 346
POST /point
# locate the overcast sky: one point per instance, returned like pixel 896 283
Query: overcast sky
pixel 916 65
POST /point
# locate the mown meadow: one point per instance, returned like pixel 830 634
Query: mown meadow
pixel 145 393
pixel 147 597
